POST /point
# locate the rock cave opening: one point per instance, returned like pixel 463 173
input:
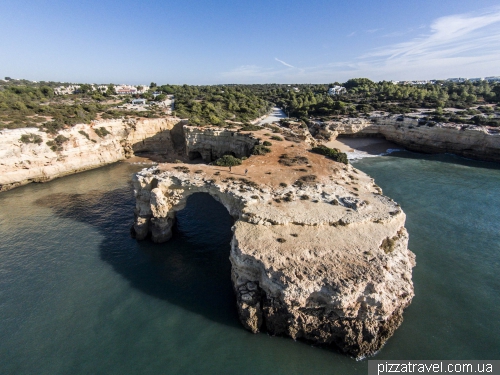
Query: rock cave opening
pixel 201 241
pixel 194 155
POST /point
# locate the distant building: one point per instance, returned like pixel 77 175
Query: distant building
pixel 457 80
pixel 125 90
pixel 493 79
pixel 66 90
pixel 336 90
pixel 139 101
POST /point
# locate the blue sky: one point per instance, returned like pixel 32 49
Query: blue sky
pixel 219 41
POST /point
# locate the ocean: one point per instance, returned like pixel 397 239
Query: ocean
pixel 78 295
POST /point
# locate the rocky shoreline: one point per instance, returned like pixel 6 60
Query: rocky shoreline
pixel 320 255
pixel 470 141
pixel 84 147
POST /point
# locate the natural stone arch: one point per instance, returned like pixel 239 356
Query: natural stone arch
pixel 331 273
pixel 167 197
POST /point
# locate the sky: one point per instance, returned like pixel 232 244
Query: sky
pixel 234 41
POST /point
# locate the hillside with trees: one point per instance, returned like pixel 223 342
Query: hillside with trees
pixel 28 104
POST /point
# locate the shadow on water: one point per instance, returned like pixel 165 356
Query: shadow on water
pixel 192 270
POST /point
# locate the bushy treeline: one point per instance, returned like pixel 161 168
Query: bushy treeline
pixel 212 105
pixel 24 103
pixel 24 106
pixel 36 105
pixel 364 96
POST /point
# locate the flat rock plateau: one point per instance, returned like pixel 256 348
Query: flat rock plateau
pixel 318 253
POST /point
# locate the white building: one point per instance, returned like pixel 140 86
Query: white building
pixel 66 90
pixel 336 90
pixel 493 79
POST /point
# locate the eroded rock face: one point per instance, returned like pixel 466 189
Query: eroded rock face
pixel 471 141
pixel 331 269
pixel 22 163
pixel 210 144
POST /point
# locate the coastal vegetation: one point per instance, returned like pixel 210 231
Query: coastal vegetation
pixel 331 153
pixel 444 100
pixel 214 105
pixel 228 161
pixel 28 104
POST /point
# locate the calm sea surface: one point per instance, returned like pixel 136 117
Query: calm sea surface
pixel 79 296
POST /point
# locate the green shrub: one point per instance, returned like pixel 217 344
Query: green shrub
pixel 101 132
pixel 261 150
pixel 84 134
pixel 389 244
pixel 228 161
pixel 332 153
pixel 31 138
pixel 276 138
pixel 56 144
pixel 267 143
pixel 250 128
pixel 289 161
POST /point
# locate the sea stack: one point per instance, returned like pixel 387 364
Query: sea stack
pixel 318 253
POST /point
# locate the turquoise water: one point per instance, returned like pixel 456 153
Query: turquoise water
pixel 79 296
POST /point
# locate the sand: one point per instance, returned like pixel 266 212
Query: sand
pixel 362 146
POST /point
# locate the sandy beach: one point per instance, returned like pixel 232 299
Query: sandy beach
pixel 362 147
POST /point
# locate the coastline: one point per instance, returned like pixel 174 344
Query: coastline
pixel 363 147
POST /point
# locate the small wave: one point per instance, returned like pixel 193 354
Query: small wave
pixel 391 150
pixel 356 155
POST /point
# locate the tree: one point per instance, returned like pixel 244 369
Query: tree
pixel 228 161
pixel 152 85
pixel 111 90
pixel 85 88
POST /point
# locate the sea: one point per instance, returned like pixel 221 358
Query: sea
pixel 78 295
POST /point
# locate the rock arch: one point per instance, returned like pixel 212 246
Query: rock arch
pixel 166 197
pixel 311 270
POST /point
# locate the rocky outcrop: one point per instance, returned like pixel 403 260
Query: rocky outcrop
pixel 83 147
pixel 212 143
pixel 322 258
pixel 471 141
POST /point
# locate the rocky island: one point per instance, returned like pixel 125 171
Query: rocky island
pixel 318 253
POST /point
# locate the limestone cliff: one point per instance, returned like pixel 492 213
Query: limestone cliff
pixel 317 252
pixel 471 141
pixel 212 143
pixel 21 163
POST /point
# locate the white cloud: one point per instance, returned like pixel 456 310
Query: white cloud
pixel 351 34
pixel 284 63
pixel 464 45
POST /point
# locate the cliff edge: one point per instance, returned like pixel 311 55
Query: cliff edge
pixel 43 157
pixel 471 141
pixel 318 253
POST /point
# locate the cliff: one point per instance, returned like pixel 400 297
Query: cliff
pixel 212 143
pixel 22 163
pixel 477 142
pixel 318 253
